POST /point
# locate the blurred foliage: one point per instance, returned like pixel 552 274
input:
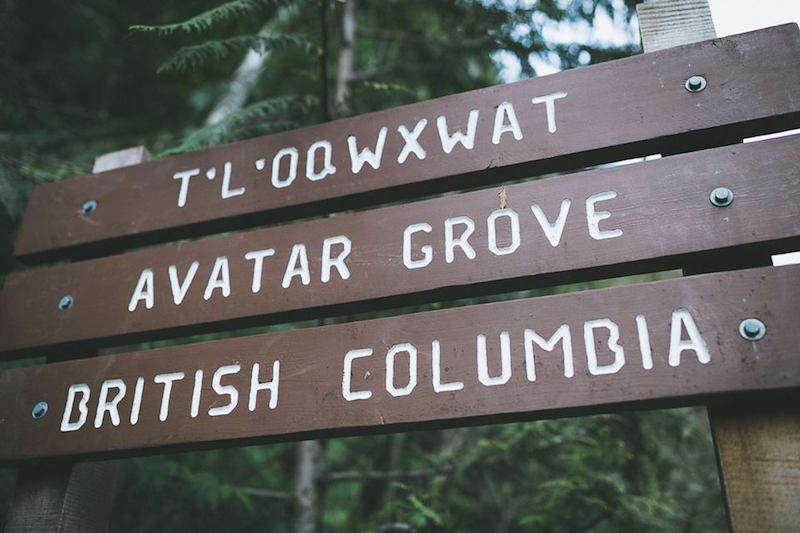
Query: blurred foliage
pixel 80 78
pixel 650 471
pixel 195 56
pixel 207 19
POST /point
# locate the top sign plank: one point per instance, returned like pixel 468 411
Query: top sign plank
pixel 610 111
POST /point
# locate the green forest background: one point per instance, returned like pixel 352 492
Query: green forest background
pixel 82 78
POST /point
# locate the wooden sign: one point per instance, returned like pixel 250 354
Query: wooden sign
pixel 612 221
pixel 634 106
pixel 662 343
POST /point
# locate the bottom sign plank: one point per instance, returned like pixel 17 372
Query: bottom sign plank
pixel 676 340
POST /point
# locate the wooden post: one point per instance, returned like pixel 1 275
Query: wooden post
pixel 758 448
pixel 757 438
pixel 56 495
pixel 668 23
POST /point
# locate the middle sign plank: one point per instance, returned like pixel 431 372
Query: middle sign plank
pixel 530 233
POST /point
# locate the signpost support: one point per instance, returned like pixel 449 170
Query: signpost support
pixel 757 439
pixel 60 496
pixel 667 23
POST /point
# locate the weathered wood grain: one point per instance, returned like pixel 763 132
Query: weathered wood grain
pixel 669 23
pixel 661 214
pixel 634 106
pixel 312 392
pixel 62 497
pixel 758 444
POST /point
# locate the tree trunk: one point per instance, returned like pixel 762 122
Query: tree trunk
pixel 346 70
pixel 307 496
pixel 246 76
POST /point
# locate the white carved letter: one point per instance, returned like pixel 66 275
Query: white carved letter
pixel 593 217
pixel 294 269
pixel 258 265
pixel 613 345
pixel 84 391
pixel 229 390
pixel 505 361
pixel 111 407
pixel 366 155
pixel 462 242
pixel 277 182
pixel 492 226
pixel 143 291
pixel 184 176
pixel 220 278
pixel 196 390
pixel 347 393
pixel 271 386
pixel 562 334
pixel 682 318
pixel 327 166
pixel 449 141
pixel 412 145
pixel 550 107
pixel 553 231
pixel 166 380
pixel 436 366
pixel 179 289
pixel 329 262
pixel 506 109
pixel 137 400
pixel 644 342
pixel 227 192
pixel 412 369
pixel 427 250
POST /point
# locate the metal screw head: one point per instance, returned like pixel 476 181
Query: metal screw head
pixel 752 329
pixel 695 84
pixel 89 206
pixel 65 302
pixel 721 197
pixel 39 410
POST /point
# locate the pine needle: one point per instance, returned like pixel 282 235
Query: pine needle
pixel 192 57
pixel 207 19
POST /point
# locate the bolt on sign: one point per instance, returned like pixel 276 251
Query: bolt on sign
pixel 654 344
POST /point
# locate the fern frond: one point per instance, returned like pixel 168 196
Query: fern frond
pixel 192 57
pixel 206 20
pixel 12 201
pixel 268 108
pixel 386 88
pixel 259 118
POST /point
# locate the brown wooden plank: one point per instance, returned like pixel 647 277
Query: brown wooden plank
pixel 705 356
pixel 629 107
pixel 661 212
